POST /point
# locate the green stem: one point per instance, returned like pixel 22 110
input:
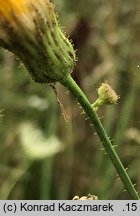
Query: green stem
pixel 71 85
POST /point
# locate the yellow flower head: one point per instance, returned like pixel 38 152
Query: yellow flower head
pixel 11 6
pixel 13 10
pixel 29 29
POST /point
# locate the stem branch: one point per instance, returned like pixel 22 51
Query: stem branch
pixel 71 85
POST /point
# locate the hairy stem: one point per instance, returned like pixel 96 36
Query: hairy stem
pixel 71 85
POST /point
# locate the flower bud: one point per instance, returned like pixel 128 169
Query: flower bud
pixel 30 29
pixel 106 95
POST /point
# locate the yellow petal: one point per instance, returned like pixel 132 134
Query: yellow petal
pixel 10 8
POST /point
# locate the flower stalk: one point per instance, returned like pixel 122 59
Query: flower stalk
pixel 71 85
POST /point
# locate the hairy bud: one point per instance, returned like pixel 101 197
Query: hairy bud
pixel 106 95
pixel 30 29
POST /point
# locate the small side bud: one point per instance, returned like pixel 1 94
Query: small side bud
pixel 106 96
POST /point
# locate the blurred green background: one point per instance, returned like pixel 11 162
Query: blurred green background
pixel 44 157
